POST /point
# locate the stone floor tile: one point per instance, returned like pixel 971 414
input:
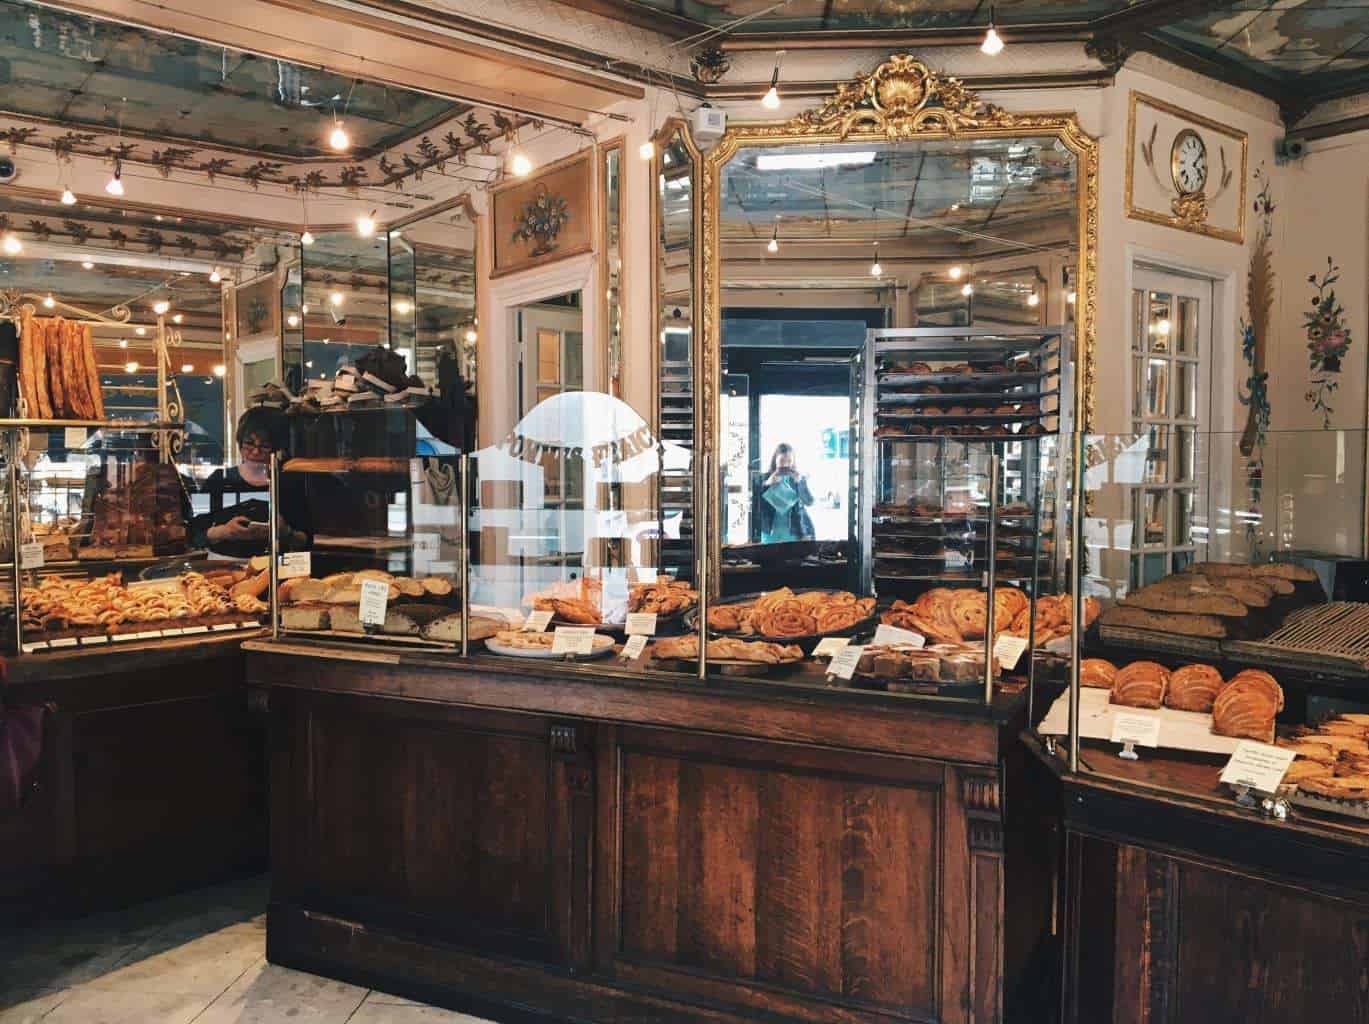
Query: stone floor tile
pixel 28 1008
pixel 266 994
pixel 402 1013
pixel 204 966
pixel 101 1006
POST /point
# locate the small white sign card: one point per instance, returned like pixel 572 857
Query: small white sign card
pixel 31 555
pixel 294 564
pixel 632 650
pixel 375 594
pixel 1008 651
pixel 537 622
pixel 1258 765
pixel 573 640
pixel 844 662
pixel 641 623
pixel 885 634
pixel 74 437
pixel 1138 730
pixel 831 646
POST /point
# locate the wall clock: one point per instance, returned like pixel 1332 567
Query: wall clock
pixel 1188 163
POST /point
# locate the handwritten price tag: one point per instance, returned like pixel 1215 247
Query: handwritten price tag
pixel 641 623
pixel 844 662
pixel 537 622
pixel 74 437
pixel 31 555
pixel 1008 650
pixel 632 650
pixel 830 647
pixel 294 564
pixel 1139 730
pixel 885 635
pixel 573 640
pixel 1257 765
pixel 375 595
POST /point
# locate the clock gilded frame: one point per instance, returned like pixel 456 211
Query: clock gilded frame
pixel 902 100
pixel 1198 124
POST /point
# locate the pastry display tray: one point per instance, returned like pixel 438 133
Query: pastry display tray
pixel 900 398
pixel 1179 730
pixel 894 378
pixel 965 438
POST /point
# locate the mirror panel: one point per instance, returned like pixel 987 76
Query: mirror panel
pixel 611 204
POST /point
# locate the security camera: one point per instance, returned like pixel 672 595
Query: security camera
pixel 1289 149
pixel 338 318
pixel 8 170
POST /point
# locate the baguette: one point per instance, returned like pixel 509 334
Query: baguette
pixel 92 373
pixel 78 384
pixel 42 405
pixel 27 390
pixel 1205 626
pixel 58 332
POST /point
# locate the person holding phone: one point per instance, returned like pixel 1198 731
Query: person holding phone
pixel 785 498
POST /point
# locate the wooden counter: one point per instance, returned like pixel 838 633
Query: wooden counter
pixel 1182 906
pixel 513 839
pixel 152 776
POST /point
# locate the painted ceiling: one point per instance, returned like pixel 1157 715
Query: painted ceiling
pixel 839 15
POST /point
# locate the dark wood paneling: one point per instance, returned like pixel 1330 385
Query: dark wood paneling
pixel 791 871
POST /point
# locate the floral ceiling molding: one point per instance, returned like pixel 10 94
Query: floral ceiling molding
pixel 451 142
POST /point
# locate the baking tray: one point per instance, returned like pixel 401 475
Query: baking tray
pixel 1314 639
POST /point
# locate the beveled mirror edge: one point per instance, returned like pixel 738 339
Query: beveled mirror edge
pixel 902 100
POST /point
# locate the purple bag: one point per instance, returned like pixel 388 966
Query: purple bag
pixel 21 745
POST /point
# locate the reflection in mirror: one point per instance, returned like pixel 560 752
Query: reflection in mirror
pixel 611 203
pixel 674 213
pixel 403 300
pixel 346 301
pixel 821 242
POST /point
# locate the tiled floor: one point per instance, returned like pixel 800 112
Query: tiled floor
pixel 196 957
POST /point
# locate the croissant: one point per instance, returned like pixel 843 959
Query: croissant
pixel 1193 688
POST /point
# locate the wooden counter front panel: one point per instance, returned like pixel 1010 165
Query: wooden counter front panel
pixel 452 824
pixel 804 881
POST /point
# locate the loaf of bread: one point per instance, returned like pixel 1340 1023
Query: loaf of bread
pixel 1275 570
pixel 1247 706
pixel 1193 688
pixel 1209 627
pixel 1098 673
pixel 1142 684
pixel 447 629
pixel 304 617
pixel 1260 680
pixel 1188 598
pixel 40 405
pixel 303 590
pixel 92 373
pixel 58 334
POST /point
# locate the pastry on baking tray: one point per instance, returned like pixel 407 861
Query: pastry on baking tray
pixel 664 597
pixel 1340 787
pixel 1193 688
pixel 1141 684
pixel 1301 771
pixel 1098 673
pixel 1309 749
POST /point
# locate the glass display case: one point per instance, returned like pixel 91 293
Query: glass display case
pixel 1234 625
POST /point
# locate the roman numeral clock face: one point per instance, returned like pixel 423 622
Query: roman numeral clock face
pixel 1188 163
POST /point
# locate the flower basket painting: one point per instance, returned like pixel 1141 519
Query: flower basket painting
pixel 543 219
pixel 1328 339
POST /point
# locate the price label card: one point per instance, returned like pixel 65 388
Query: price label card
pixel 1140 730
pixel 1008 650
pixel 632 650
pixel 31 648
pixel 375 594
pixel 93 641
pixel 31 555
pixel 74 437
pixel 886 634
pixel 641 623
pixel 831 646
pixel 222 627
pixel 427 543
pixel 844 662
pixel 195 629
pixel 537 622
pixel 573 640
pixel 1257 765
pixel 294 564
pixel 63 641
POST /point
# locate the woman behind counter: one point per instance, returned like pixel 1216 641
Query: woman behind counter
pixel 785 498
pixel 243 529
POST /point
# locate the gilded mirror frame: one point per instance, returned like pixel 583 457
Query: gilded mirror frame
pixel 902 100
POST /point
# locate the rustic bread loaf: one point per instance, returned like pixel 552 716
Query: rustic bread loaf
pixel 1209 627
pixel 1187 598
pixel 1142 684
pixel 1193 688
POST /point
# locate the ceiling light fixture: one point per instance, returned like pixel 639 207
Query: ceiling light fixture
pixel 967 290
pixel 130 367
pixel 292 320
pixel 955 273
pixel 12 245
pixel 177 318
pixel 307 238
pixel 187 367
pixel 337 298
pixel 471 335
pixel 215 276
pixel 993 42
pixel 49 301
pixel 304 309
pixel 520 165
pixel 1033 300
pixel 115 185
pixel 161 307
pixel 403 307
pixel 1069 297
pixel 875 269
pixel 771 99
pixel 68 197
pixel 646 150
pixel 220 370
pixel 366 224
pixel 774 245
pixel 87 264
pixel 338 138
pixel 139 331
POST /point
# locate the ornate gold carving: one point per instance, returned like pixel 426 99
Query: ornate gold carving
pixel 900 100
pixel 1190 210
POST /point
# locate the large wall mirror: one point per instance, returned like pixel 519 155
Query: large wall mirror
pixel 903 202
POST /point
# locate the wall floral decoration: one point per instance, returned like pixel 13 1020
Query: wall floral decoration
pixel 1255 328
pixel 540 221
pixel 1328 339
pixel 545 218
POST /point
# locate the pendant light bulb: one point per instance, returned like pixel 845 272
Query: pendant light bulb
pixel 12 245
pixel 646 150
pixel 49 301
pixel 875 269
pixel 993 42
pixel 366 224
pixel 307 238
pixel 337 298
pixel 215 276
pixel 161 307
pixel 471 335
pixel 115 185
pixel 521 165
pixel 1033 299
pixel 955 273
pixel 771 99
pixel 968 290
pixel 339 139
pixel 774 244
pixel 87 264
pixel 68 197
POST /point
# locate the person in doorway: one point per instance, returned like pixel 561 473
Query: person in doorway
pixel 785 498
pixel 242 529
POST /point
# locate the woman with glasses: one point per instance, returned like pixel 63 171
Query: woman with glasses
pixel 242 529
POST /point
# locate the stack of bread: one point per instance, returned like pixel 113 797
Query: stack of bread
pixel 58 375
pixel 1245 706
pixel 416 606
pixel 1216 601
pixel 1333 758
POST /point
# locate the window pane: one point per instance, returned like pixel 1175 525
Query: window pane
pixel 1186 327
pixel 1161 323
pixel 1157 456
pixel 1183 518
pixel 1157 389
pixel 1184 454
pixel 1139 320
pixel 1150 515
pixel 548 357
pixel 1138 386
pixel 1186 388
